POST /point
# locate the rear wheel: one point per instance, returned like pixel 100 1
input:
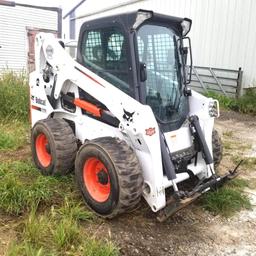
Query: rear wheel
pixel 109 176
pixel 53 146
pixel 217 148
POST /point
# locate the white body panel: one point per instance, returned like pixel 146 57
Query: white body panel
pixel 71 75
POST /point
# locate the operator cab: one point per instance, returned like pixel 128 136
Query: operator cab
pixel 142 53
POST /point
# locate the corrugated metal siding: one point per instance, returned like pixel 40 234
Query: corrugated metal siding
pixel 13 33
pixel 223 32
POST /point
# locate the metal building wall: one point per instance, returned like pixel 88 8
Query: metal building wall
pixel 14 22
pixel 223 32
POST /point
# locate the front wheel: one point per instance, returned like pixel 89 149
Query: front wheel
pixel 53 146
pixel 109 176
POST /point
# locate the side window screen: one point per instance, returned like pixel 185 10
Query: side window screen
pixel 140 48
pixel 105 52
pixel 115 46
pixel 93 42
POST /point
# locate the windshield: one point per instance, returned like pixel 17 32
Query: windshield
pixel 157 48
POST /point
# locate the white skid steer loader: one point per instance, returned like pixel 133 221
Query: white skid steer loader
pixel 123 116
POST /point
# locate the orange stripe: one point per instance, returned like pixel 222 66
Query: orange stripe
pixel 87 106
pixel 35 107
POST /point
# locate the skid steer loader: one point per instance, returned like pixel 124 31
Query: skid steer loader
pixel 123 116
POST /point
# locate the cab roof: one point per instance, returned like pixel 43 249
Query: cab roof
pixel 128 20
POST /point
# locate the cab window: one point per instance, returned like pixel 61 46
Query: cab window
pixel 105 52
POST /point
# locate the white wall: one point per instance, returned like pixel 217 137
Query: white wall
pixel 13 33
pixel 223 32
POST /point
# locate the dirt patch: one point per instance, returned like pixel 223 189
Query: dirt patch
pixel 20 154
pixel 7 233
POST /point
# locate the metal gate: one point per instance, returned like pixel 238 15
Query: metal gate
pixel 225 81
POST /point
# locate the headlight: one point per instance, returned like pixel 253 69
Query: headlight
pixel 186 26
pixel 214 108
pixel 142 15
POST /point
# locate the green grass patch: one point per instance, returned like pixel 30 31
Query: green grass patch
pixel 238 183
pixel 53 216
pixel 13 134
pixel 48 234
pixel 228 199
pixel 22 187
pixel 246 104
pixel 14 100
pixel 74 210
pixel 93 247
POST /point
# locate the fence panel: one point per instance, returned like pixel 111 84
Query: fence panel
pixel 225 81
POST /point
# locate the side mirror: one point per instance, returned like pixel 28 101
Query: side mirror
pixel 143 72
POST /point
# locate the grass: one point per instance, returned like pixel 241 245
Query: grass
pixel 22 187
pixel 246 104
pixel 13 134
pixel 51 214
pixel 14 111
pixel 227 200
pixel 47 234
pixel 14 100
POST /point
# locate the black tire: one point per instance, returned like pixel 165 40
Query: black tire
pixel 60 145
pixel 217 148
pixel 124 175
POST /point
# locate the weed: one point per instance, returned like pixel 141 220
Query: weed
pixel 66 233
pixel 35 229
pixel 25 249
pixel 225 201
pixel 74 210
pixel 14 100
pixel 93 247
pixel 246 104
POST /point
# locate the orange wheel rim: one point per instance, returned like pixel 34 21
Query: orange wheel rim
pixel 96 179
pixel 42 150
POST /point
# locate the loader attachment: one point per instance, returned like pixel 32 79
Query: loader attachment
pixel 176 203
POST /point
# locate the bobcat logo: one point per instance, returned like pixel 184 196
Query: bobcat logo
pixel 128 116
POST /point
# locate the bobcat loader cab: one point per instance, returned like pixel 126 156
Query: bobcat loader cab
pixel 124 114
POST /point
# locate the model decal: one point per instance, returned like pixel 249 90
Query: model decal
pixel 40 101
